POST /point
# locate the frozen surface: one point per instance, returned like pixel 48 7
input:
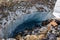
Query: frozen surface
pixel 56 12
pixel 24 20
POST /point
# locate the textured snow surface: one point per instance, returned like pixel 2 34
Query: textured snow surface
pixel 56 12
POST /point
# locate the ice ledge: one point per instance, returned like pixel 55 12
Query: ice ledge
pixel 38 16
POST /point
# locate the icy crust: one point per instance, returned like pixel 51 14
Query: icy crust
pixel 36 16
pixel 12 13
pixel 11 16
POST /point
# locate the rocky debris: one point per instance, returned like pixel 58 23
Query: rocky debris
pixel 31 37
pixel 34 37
pixel 51 36
pixel 52 25
pixel 19 37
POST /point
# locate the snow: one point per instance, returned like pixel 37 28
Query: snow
pixel 56 12
pixel 57 15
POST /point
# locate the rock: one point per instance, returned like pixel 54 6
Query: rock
pixel 27 37
pixel 42 36
pixel 43 30
pixel 18 37
pixel 58 38
pixel 31 37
